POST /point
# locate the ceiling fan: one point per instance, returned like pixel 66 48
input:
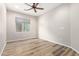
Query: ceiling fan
pixel 34 6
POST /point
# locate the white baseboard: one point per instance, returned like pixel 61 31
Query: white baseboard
pixel 3 49
pixel 21 39
pixel 62 44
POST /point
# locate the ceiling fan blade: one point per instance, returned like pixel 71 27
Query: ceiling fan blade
pixel 28 9
pixel 40 8
pixel 37 4
pixel 28 4
pixel 35 10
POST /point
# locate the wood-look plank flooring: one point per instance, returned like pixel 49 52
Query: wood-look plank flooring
pixel 37 47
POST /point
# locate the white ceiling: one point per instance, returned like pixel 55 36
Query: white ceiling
pixel 19 7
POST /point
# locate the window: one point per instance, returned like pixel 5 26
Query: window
pixel 22 24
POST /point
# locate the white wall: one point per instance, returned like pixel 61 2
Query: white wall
pixel 75 26
pixel 2 27
pixel 55 25
pixel 11 29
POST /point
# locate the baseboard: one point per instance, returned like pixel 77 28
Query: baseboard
pixel 20 40
pixel 3 48
pixel 62 44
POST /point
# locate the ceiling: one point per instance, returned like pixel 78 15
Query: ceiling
pixel 19 7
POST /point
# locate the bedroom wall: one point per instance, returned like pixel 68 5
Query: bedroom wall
pixel 2 27
pixel 12 35
pixel 74 16
pixel 54 26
